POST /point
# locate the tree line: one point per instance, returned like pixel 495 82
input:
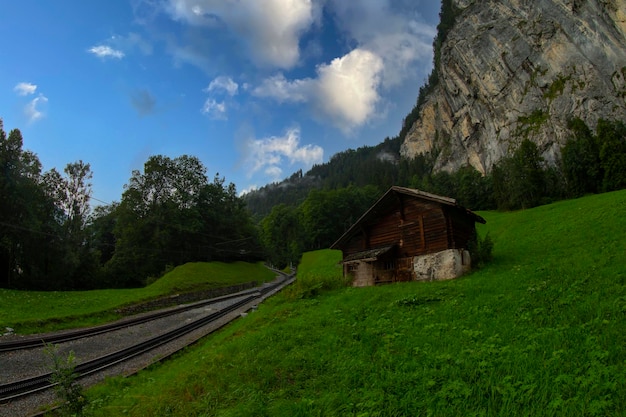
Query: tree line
pixel 590 162
pixel 169 214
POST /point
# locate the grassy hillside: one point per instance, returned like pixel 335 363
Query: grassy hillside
pixel 539 332
pixel 38 311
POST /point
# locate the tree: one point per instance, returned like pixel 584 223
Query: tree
pixel 281 234
pixel 326 214
pixel 580 160
pixel 518 180
pixel 100 231
pixel 26 216
pixel 76 265
pixel 594 163
pixel 170 214
pixel 147 218
pixel 611 137
pixel 473 190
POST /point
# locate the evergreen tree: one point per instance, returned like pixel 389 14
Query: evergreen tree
pixel 518 180
pixel 611 137
pixel 580 160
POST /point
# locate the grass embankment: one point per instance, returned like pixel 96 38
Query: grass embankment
pixel 539 332
pixel 40 311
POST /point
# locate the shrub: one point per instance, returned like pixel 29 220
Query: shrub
pixel 481 250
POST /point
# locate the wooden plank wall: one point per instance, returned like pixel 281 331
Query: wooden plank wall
pixel 463 228
pixel 416 226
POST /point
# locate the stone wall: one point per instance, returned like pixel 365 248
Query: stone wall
pixel 447 264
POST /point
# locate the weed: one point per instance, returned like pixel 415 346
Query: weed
pixel 67 388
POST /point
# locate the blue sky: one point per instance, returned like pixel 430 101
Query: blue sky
pixel 256 89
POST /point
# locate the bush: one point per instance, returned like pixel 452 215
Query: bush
pixel 481 250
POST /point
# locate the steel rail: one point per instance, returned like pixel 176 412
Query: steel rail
pixel 15 390
pixel 29 386
pixel 35 342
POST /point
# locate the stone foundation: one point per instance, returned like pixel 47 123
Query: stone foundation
pixel 447 264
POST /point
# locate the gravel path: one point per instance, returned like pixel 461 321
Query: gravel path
pixel 32 362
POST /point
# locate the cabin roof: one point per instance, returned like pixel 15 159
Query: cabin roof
pixel 389 198
pixel 367 255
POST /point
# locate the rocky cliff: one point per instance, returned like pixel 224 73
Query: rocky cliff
pixel 515 69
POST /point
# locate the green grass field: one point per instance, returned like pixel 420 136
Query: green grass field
pixel 538 332
pixel 39 311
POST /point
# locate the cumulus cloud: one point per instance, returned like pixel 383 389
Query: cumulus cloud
pixel 33 109
pixel 223 83
pixel 344 91
pixel 143 101
pixel 348 88
pixel 225 88
pixel 390 46
pixel 271 29
pixel 214 109
pixel 25 89
pixel 391 30
pixel 268 154
pixel 105 51
pixel 282 90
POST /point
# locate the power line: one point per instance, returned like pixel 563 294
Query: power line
pixel 26 229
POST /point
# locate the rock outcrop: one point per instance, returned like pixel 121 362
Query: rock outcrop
pixel 515 69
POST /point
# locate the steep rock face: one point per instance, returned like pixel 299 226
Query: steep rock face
pixel 515 69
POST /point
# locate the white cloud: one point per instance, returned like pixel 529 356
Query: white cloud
pixel 104 51
pixel 283 90
pixel 271 28
pixel 345 91
pixel 268 154
pixel 25 89
pixel 33 109
pixel 214 109
pixel 249 189
pixel 349 88
pixel 391 30
pixel 223 83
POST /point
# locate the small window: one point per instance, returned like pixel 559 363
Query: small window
pixel 390 265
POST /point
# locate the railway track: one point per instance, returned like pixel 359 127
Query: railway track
pixel 35 342
pixel 18 389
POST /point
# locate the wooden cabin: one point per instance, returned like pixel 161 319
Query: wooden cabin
pixel 408 235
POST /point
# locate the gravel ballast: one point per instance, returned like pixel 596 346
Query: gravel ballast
pixel 21 364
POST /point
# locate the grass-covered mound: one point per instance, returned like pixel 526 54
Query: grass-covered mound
pixel 538 332
pixel 39 311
